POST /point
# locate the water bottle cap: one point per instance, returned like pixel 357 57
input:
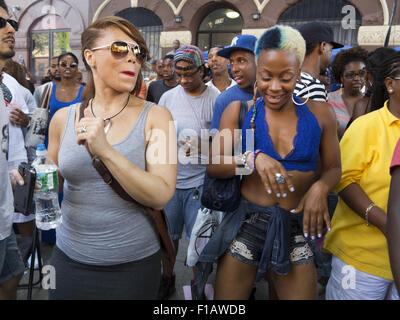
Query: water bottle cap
pixel 40 147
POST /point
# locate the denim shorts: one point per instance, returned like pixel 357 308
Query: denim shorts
pixel 11 264
pixel 182 210
pixel 249 243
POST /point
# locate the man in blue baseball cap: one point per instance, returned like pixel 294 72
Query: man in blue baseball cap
pixel 243 69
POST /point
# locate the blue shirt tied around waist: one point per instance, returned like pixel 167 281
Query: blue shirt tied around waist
pixel 303 157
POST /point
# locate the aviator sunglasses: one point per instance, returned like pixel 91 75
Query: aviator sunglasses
pixel 13 23
pixel 120 49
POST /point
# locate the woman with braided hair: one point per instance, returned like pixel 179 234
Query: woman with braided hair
pixel 360 262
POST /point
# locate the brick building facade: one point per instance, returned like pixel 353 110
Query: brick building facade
pixel 48 27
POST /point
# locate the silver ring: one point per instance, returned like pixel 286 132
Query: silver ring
pixel 279 178
pixel 82 129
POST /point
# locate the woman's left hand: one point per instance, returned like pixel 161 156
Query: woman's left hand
pixel 314 205
pixel 91 130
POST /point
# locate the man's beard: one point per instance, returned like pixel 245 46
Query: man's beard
pixel 7 55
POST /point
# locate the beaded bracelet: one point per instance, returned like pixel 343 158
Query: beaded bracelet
pixel 255 153
pixel 244 159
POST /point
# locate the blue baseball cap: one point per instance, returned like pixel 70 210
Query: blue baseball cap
pixel 240 42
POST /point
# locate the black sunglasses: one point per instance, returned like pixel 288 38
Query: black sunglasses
pixel 13 23
pixel 120 49
pixel 73 65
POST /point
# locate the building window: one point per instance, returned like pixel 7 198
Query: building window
pixel 219 28
pixel 150 26
pixel 329 11
pixel 49 38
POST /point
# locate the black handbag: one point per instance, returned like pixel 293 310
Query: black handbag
pixel 223 194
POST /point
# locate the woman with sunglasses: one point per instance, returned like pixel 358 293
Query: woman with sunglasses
pixel 107 247
pixel 67 91
pixel 284 194
pixel 348 68
pixel 358 240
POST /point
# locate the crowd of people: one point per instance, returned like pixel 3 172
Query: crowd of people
pixel 319 187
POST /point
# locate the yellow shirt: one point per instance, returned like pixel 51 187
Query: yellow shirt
pixel 366 152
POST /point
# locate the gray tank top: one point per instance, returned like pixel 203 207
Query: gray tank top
pixel 99 227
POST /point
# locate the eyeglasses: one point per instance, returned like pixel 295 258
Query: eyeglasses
pixel 395 78
pixel 186 75
pixel 120 49
pixel 72 65
pixel 352 75
pixel 13 23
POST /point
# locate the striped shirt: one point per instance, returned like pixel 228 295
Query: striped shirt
pixel 342 114
pixel 311 88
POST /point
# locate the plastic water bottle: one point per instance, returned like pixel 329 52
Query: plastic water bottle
pixel 48 212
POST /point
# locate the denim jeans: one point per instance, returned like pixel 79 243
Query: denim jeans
pixel 182 210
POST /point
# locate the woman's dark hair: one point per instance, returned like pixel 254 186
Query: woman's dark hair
pixel 94 32
pixel 389 67
pixel 3 5
pixel 68 54
pixel 344 57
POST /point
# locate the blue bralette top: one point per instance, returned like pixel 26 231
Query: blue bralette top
pixel 305 152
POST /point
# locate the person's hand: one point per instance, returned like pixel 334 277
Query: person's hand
pixel 314 205
pixel 91 130
pixel 273 175
pixel 191 145
pixel 15 178
pixel 18 117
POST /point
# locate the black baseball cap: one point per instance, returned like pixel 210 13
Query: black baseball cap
pixel 317 32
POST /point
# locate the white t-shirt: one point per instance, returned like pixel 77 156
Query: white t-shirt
pixel 17 150
pixel 6 196
pixel 191 115
pixel 211 84
pixel 17 142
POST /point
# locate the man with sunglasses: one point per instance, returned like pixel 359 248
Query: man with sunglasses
pixel 191 104
pixel 11 264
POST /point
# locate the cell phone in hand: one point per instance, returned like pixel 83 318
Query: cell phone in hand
pixel 23 195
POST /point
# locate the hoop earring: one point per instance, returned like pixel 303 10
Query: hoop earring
pixel 308 97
